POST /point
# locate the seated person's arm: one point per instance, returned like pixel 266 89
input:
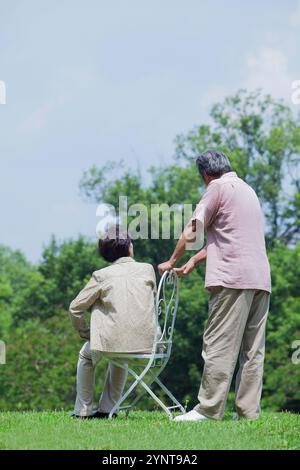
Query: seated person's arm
pixel 84 300
pixel 154 290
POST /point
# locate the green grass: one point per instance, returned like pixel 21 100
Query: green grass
pixel 146 430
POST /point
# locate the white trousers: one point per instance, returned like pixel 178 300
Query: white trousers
pixel 113 388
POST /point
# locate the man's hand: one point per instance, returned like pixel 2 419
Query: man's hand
pixel 187 268
pixel 163 267
pixel 186 236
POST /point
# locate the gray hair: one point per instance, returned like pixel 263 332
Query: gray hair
pixel 213 163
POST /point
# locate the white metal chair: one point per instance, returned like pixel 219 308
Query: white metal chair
pixel 151 365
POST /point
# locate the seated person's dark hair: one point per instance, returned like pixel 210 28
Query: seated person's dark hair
pixel 114 244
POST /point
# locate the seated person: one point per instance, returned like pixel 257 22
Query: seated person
pixel 122 299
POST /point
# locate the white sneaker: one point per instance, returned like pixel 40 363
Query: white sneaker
pixel 192 415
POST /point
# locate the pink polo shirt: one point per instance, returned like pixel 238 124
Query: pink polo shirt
pixel 236 251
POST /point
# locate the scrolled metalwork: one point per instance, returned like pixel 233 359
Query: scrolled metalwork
pixel 166 308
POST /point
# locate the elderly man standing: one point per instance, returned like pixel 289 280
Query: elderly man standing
pixel 238 278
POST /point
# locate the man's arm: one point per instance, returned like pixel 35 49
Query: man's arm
pixel 205 213
pixel 84 300
pixel 188 267
pixel 187 236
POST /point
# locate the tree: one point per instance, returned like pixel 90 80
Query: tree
pixel 40 365
pixel 63 270
pixel 13 268
pixel 282 377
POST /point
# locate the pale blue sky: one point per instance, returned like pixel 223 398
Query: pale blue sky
pixel 92 81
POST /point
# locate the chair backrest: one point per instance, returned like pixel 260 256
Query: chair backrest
pixel 166 309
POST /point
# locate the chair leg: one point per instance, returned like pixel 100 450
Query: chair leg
pixel 139 396
pixel 123 397
pixel 139 381
pixel 154 376
pixel 134 402
pixel 163 387
pixel 170 395
pixel 161 404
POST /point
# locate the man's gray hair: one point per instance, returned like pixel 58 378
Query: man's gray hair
pixel 213 163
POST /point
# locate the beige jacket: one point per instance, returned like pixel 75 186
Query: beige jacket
pixel 122 299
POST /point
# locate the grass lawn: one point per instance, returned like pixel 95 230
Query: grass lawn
pixel 146 430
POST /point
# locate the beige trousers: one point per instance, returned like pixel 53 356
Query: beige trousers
pixel 235 329
pixel 113 388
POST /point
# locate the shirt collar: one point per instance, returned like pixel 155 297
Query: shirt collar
pixel 230 174
pixel 123 259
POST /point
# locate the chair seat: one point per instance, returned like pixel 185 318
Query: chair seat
pixel 134 355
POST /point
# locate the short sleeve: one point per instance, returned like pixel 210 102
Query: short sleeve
pixel 208 206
